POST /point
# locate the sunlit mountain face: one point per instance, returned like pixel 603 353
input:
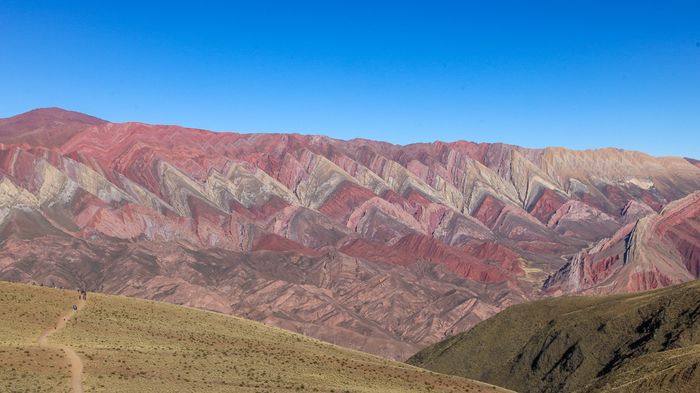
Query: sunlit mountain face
pixel 374 246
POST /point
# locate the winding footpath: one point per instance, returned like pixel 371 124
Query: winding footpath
pixel 76 365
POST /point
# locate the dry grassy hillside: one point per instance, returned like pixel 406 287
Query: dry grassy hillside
pixel 645 342
pixel 25 312
pixel 128 345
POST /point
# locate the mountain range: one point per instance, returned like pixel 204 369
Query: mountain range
pixel 365 244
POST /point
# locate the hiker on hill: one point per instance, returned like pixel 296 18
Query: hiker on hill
pixel 75 307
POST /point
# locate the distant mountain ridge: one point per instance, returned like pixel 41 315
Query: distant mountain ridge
pixel 46 126
pixel 375 246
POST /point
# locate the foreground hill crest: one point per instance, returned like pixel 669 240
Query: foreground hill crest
pixel 117 344
pixel 367 244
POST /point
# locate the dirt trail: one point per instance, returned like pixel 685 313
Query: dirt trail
pixel 76 365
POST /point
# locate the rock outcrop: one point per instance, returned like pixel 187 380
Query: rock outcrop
pixel 656 251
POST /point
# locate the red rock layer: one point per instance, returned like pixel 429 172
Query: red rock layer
pixel 657 251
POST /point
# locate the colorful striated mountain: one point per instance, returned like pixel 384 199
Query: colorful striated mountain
pixel 655 251
pixel 370 245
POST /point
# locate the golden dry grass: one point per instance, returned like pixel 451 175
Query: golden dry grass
pixel 25 312
pixel 33 369
pixel 130 345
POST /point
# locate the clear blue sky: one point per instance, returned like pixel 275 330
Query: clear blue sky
pixel 576 74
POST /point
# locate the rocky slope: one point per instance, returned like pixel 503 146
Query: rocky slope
pixel 655 251
pixel 379 247
pixel 645 342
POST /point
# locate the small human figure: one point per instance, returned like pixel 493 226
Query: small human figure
pixel 75 307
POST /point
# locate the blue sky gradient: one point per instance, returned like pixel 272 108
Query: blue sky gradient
pixel 575 74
